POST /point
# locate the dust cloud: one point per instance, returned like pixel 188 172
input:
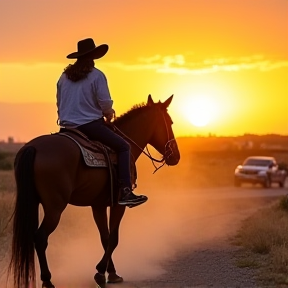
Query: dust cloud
pixel 176 218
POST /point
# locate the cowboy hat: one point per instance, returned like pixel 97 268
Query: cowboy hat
pixel 86 46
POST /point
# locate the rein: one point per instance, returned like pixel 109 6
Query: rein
pixel 148 154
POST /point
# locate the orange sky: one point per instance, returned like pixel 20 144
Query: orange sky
pixel 232 54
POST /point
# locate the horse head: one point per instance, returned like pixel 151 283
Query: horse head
pixel 162 138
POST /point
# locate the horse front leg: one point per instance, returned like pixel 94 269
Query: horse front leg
pixel 109 240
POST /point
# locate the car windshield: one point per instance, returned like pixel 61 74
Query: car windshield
pixel 257 162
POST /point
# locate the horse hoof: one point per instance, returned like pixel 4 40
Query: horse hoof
pixel 100 279
pixel 114 278
pixel 47 284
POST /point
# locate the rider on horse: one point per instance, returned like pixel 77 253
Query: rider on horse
pixel 83 100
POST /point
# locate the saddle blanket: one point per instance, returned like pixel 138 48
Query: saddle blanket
pixel 96 155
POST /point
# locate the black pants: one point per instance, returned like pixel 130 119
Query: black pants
pixel 97 130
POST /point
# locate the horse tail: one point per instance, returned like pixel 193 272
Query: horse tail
pixel 26 219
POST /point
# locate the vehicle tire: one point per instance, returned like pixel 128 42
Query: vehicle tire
pixel 237 183
pixel 267 183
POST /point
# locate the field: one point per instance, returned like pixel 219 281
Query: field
pixel 205 163
pixel 7 188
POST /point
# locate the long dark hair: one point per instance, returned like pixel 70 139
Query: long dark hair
pixel 80 69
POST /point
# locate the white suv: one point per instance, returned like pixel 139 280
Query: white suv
pixel 259 170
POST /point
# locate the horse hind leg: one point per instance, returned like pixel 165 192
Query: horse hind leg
pixel 50 222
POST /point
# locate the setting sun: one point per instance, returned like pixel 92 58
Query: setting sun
pixel 200 111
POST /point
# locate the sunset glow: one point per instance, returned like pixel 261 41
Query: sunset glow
pixel 200 111
pixel 226 62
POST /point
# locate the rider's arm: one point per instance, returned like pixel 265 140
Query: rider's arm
pixel 103 96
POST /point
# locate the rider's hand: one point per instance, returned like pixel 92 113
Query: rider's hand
pixel 110 115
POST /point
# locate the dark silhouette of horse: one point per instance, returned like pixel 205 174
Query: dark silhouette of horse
pixel 50 170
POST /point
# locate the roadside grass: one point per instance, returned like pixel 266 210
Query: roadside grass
pixel 264 239
pixel 6 207
pixel 7 182
pixel 246 261
pixel 7 189
pixel 7 195
pixel 6 160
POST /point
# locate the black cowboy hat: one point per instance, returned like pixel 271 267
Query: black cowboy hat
pixel 86 46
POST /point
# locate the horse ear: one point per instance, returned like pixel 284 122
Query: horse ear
pixel 168 101
pixel 150 100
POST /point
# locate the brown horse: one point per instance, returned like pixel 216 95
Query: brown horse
pixel 50 170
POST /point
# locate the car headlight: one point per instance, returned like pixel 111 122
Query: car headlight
pixel 238 169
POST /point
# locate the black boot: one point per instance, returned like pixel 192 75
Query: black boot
pixel 127 197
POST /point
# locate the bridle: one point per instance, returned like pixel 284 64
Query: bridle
pixel 168 148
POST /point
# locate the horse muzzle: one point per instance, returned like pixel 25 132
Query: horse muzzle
pixel 172 154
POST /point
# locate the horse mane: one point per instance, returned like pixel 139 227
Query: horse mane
pixel 131 113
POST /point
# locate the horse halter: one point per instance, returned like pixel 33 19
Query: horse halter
pixel 171 144
pixel 168 148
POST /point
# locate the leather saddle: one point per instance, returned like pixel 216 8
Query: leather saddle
pixel 94 153
pixel 97 155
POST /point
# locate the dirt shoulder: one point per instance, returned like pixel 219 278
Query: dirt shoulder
pixel 210 265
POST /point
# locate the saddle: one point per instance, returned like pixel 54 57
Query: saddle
pixel 94 153
pixel 97 155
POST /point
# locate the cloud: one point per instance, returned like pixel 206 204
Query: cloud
pixel 177 64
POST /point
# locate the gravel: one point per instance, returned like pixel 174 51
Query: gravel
pixel 212 265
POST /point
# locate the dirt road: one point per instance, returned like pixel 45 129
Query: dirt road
pixel 175 242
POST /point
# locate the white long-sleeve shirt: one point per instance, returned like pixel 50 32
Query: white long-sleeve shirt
pixel 83 101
